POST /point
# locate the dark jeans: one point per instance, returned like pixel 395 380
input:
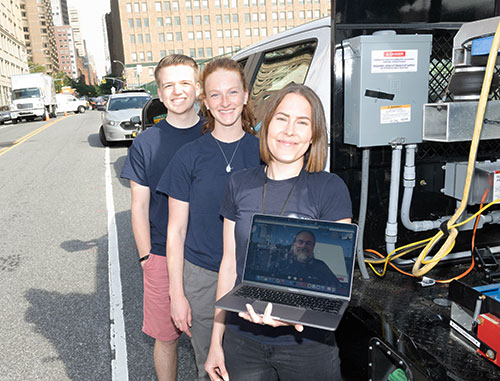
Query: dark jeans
pixel 247 359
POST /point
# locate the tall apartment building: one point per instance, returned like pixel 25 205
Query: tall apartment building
pixel 13 59
pixel 39 34
pixel 202 29
pixel 66 50
pixel 106 43
pixel 60 13
pixel 74 21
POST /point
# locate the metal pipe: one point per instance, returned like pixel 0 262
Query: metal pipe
pixel 363 201
pixel 409 184
pixel 391 229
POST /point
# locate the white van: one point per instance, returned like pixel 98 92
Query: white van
pixel 69 103
pixel 300 55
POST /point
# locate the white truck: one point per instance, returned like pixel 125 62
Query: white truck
pixel 33 95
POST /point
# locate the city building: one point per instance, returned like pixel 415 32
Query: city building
pixel 39 37
pixel 85 69
pixel 145 31
pixel 60 12
pixel 66 50
pixel 106 44
pixel 13 59
pixel 74 21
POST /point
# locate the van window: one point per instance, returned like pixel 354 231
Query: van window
pixel 277 69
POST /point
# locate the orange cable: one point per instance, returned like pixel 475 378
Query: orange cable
pixel 473 263
pixel 466 272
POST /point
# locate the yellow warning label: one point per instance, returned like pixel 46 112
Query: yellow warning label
pixel 395 114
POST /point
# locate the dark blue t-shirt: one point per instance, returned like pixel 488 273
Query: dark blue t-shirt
pixel 197 174
pixel 146 161
pixel 318 195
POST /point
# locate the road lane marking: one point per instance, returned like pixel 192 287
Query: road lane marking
pixel 119 365
pixel 22 139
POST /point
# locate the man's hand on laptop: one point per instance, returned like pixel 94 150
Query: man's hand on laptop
pixel 266 319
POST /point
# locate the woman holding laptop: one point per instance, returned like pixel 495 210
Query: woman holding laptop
pixel 293 146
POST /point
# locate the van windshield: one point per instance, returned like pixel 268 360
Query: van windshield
pixel 30 92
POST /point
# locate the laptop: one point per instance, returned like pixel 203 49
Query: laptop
pixel 304 267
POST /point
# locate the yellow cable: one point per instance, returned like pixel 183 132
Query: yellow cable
pixel 419 270
pixel 403 253
pixel 417 245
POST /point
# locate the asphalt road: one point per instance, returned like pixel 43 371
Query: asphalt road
pixel 55 300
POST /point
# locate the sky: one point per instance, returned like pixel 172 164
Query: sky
pixel 91 12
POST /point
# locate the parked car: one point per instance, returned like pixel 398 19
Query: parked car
pixel 132 90
pixel 99 104
pixel 86 100
pixel 121 119
pixel 4 116
pixel 69 103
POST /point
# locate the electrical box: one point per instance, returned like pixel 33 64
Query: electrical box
pixel 486 176
pixel 386 85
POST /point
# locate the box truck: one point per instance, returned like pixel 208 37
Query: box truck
pixel 33 95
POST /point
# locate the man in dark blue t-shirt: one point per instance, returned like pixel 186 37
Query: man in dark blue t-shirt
pixel 151 152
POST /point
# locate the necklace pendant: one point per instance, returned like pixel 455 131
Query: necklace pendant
pixel 228 168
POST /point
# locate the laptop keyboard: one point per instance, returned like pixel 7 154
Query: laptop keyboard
pixel 290 299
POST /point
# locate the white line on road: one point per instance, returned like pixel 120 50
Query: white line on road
pixel 119 366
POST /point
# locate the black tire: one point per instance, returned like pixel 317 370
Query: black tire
pixel 14 121
pixel 81 109
pixel 102 138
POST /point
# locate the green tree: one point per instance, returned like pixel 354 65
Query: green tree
pixel 60 80
pixel 36 68
pixel 83 89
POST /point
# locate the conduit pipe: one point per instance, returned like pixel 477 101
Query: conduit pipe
pixel 409 177
pixel 409 185
pixel 363 202
pixel 391 229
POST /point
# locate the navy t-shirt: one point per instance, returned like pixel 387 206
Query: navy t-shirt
pixel 197 174
pixel 146 161
pixel 318 195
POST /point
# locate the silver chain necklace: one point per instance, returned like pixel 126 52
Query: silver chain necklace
pixel 228 167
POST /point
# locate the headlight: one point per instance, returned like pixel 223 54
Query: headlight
pixel 113 123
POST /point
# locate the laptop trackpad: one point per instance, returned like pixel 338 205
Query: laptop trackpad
pixel 279 310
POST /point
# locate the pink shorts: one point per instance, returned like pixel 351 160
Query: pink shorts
pixel 157 320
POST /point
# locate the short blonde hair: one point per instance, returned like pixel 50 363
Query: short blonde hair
pixel 315 157
pixel 176 60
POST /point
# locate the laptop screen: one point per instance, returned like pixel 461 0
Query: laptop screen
pixel 304 254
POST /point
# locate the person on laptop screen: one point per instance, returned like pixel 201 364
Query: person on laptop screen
pixel 300 262
pixel 293 146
